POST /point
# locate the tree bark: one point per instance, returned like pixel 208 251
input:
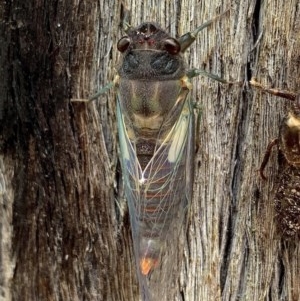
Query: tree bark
pixel 64 225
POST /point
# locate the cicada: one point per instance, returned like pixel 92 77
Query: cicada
pixel 156 136
pixel 287 194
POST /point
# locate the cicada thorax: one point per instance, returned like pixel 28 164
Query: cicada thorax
pixel 155 126
pixel 287 197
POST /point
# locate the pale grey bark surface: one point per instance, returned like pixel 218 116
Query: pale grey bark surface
pixel 64 225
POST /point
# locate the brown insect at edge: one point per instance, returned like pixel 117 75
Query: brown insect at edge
pixel 287 195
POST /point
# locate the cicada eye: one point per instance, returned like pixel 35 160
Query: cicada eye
pixel 123 44
pixel 172 46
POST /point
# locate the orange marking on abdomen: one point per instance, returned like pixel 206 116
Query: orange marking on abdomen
pixel 147 264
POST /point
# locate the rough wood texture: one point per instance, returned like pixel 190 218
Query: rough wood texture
pixel 64 225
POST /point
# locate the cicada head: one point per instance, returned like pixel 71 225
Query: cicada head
pixel 148 36
pixel 149 53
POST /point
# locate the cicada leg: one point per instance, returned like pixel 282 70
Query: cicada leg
pixel 100 92
pixel 193 73
pixel 196 72
pixel 267 157
pixel 187 39
pixel 198 112
pixel 274 91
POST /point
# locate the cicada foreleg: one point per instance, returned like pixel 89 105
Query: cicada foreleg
pixel 188 38
pixel 185 42
pixel 106 88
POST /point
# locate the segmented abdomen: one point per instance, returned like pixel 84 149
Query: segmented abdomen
pixel 158 198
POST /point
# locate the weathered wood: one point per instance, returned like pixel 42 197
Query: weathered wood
pixel 64 227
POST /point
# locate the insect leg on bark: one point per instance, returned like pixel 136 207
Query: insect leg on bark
pixel 99 93
pixel 267 157
pixel 188 38
pixel 274 91
pixel 196 72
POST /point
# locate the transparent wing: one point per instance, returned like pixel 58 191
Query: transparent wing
pixel 158 195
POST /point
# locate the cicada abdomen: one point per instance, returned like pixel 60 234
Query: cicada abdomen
pixel 155 124
pixel 287 195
